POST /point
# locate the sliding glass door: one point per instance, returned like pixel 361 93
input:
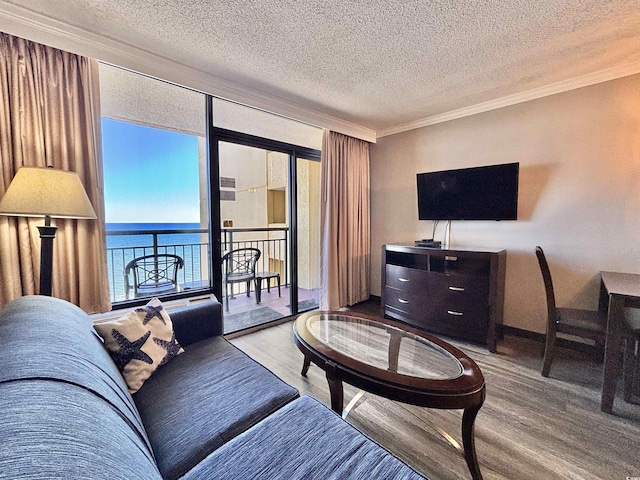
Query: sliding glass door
pixel 254 214
pixel 265 197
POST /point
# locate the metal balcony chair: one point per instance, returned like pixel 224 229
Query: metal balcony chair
pixel 590 324
pixel 153 274
pixel 239 267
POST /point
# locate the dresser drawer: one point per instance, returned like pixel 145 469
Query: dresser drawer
pixel 407 279
pixel 412 304
pixel 458 316
pixel 459 289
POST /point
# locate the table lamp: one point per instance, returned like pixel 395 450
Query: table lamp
pixel 46 192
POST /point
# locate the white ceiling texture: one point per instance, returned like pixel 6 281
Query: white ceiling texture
pixel 372 67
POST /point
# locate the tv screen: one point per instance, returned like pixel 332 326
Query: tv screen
pixel 480 193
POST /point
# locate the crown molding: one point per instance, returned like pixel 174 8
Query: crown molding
pixel 27 24
pixel 533 94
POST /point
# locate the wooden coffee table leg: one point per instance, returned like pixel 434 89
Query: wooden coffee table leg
pixel 394 348
pixel 335 388
pixel 468 442
pixel 305 365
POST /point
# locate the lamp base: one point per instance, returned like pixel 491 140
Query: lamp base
pixel 47 234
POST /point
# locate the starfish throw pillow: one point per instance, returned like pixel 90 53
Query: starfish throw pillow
pixel 140 341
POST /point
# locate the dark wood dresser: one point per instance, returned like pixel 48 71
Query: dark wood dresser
pixel 458 293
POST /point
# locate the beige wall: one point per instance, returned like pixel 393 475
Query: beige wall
pixel 579 155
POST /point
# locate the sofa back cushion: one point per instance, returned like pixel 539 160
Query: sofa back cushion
pixel 57 430
pixel 48 338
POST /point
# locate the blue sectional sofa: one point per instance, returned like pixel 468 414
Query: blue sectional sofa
pixel 209 413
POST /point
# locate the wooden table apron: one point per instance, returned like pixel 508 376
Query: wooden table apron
pixel 467 392
pixel 617 291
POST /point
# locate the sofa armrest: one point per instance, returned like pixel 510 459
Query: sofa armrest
pixel 197 322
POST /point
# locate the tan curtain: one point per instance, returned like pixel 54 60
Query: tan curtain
pixel 345 239
pixel 49 116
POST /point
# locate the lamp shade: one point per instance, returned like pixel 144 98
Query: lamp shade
pixel 42 192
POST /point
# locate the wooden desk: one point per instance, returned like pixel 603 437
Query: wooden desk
pixel 617 291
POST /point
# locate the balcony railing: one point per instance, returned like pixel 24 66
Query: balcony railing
pixel 191 244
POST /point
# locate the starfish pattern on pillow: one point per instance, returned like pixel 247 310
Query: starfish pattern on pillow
pixel 138 345
pixel 129 350
pixel 172 347
pixel 151 313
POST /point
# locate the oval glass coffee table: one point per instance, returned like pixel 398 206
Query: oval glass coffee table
pixel 395 361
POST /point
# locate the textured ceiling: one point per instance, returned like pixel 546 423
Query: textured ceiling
pixel 376 63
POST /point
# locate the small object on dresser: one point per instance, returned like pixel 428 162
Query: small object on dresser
pixel 428 242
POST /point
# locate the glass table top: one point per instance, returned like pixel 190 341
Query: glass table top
pixel 383 346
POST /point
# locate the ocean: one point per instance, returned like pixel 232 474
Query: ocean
pixel 123 241
pixel 121 249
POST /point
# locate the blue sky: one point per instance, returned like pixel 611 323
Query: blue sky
pixel 150 174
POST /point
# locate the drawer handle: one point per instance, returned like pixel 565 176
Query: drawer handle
pixel 457 314
pixel 456 289
pixel 403 301
pixel 403 279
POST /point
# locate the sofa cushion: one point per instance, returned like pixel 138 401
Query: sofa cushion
pixel 140 341
pixel 204 398
pixel 56 430
pixel 303 440
pixel 45 337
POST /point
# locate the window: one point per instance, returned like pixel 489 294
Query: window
pixel 157 196
pixel 154 169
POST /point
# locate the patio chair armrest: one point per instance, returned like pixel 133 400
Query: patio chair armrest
pixel 197 322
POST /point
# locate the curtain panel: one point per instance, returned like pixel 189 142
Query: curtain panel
pixel 345 221
pixel 49 116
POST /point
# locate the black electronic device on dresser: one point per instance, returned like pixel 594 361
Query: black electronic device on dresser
pixel 428 242
pixel 458 293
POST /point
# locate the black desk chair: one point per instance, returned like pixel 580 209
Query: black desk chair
pixel 239 267
pixel 590 324
pixel 153 274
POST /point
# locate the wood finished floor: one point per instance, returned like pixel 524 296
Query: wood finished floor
pixel 530 427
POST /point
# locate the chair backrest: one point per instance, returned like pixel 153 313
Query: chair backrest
pixel 154 271
pixel 241 261
pixel 548 288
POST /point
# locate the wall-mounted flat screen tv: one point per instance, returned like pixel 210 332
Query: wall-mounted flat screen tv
pixel 480 193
